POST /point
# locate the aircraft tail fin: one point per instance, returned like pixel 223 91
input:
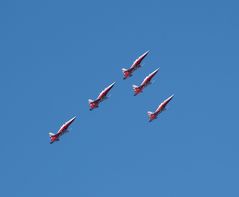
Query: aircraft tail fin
pixel 150 113
pixel 135 86
pixel 137 89
pixel 124 70
pixel 51 134
pixel 90 101
pixel 126 73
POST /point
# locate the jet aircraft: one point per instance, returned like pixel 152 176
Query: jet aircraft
pixel 146 82
pixel 61 131
pixel 161 107
pixel 137 63
pixel 102 96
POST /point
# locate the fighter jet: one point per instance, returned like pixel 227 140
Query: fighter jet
pixel 137 63
pixel 161 107
pixel 102 96
pixel 61 131
pixel 146 82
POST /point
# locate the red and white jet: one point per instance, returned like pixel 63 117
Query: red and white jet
pixel 102 96
pixel 146 82
pixel 137 63
pixel 161 107
pixel 61 131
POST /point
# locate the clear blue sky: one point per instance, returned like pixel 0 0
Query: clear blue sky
pixel 55 55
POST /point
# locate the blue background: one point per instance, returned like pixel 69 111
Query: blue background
pixel 55 55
